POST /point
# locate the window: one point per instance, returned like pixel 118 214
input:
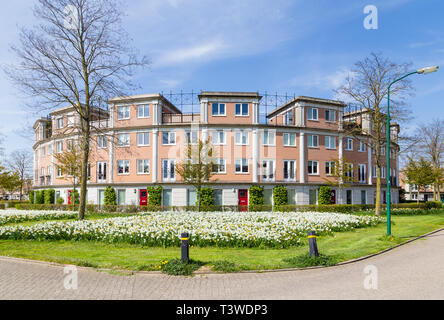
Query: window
pixel 191 197
pixel 218 109
pixel 383 169
pixel 349 144
pixel 330 142
pixel 70 121
pixel 168 170
pixel 219 166
pixel 289 139
pixel 268 138
pixel 349 170
pixel 143 166
pixel 241 109
pixel 363 197
pixel 362 173
pixel 218 137
pixel 241 138
pixel 123 113
pixel 313 167
pixel 43 151
pixel 143 111
pixel 123 140
pixel 290 170
pixel 374 171
pixel 329 168
pixel 69 144
pixel 101 171
pixel 241 165
pixel 288 118
pixel 218 197
pixel 361 146
pixel 169 138
pixel 42 172
pixel 330 115
pixel 143 138
pixel 121 197
pixel 59 172
pixel 268 169
pixel 50 150
pixel 312 113
pixel 59 123
pixel 191 137
pixel 312 141
pixel 101 142
pixel 123 166
pixel 59 146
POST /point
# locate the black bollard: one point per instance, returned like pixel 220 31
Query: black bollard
pixel 185 248
pixel 312 244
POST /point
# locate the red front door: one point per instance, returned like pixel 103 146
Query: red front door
pixel 69 196
pixel 143 197
pixel 333 197
pixel 243 199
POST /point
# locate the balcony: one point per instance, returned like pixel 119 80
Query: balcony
pixel 100 124
pixel 177 118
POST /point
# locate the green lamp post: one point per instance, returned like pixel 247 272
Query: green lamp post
pixel 419 71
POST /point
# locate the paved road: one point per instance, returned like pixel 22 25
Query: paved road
pixel 413 271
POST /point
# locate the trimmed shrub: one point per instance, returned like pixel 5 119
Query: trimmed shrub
pixel 48 196
pixel 2 206
pixel 324 195
pixel 60 200
pixel 433 205
pixel 76 197
pixel 256 199
pixel 206 197
pixel 154 196
pixel 280 198
pixel 39 197
pixel 31 196
pixel 110 196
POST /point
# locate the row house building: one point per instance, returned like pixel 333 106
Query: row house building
pixel 140 139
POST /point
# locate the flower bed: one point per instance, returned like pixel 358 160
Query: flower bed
pixel 206 229
pixel 17 216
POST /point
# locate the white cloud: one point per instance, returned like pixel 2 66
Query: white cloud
pixel 199 52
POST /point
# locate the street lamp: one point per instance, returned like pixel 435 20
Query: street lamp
pixel 419 71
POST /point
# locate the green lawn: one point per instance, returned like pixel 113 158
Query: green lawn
pixel 343 245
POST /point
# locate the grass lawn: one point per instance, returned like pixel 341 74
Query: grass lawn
pixel 343 245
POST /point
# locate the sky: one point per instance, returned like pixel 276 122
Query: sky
pixel 284 46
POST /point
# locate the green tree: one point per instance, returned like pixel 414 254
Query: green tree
pixel 196 168
pixel 420 173
pixel 9 181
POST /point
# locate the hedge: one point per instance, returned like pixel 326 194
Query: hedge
pixel 324 195
pixel 154 196
pixel 280 196
pixel 48 196
pixel 31 196
pixel 206 198
pixel 109 196
pixel 39 197
pixel 256 198
pixel 2 206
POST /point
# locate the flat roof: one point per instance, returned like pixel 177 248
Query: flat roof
pixel 142 97
pixel 230 94
pixel 307 99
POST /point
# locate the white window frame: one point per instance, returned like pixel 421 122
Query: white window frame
pixel 59 123
pixel 241 138
pixel 59 172
pixel 311 140
pixel 348 144
pixel 218 114
pixel 374 173
pixel 241 162
pixel 288 118
pixel 170 134
pixel 288 169
pixel 216 133
pixel 330 165
pixel 241 109
pixel 362 172
pixel 102 142
pixel 383 172
pixel 312 167
pixel 70 121
pixel 219 163
pixel 311 112
pixel 330 112
pixel 119 140
pixel 104 166
pixel 289 134
pixel 171 174
pixel 143 107
pixel 361 146
pixel 126 165
pixel 144 163
pixel 351 170
pixel 125 114
pixel 265 170
pixel 59 143
pixel 268 134
pixel 144 134
pixel 329 144
pixel 193 135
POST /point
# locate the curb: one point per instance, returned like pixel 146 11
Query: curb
pixel 56 264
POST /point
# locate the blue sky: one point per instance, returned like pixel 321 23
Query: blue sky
pixel 297 47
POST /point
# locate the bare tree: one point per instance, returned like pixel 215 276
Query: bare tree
pixel 431 145
pixel 20 161
pixel 367 86
pixel 79 56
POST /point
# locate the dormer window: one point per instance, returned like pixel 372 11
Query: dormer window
pixel 312 114
pixel 123 113
pixel 59 123
pixel 241 109
pixel 288 118
pixel 330 115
